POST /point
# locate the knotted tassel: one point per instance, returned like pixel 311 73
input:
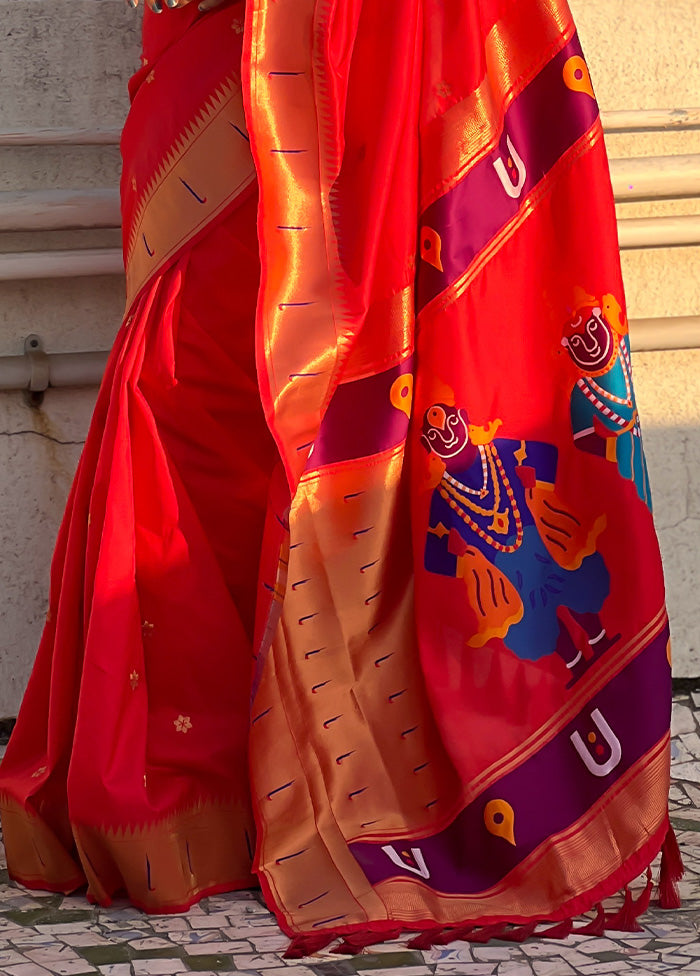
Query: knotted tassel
pixel 520 932
pixel 487 932
pixel 559 931
pixel 594 927
pixel 642 903
pixel 671 872
pixel 353 944
pixel 624 920
pixel 451 935
pixel 426 940
pixel 306 945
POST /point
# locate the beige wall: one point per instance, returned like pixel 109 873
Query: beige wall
pixel 62 63
pixel 66 62
pixel 647 55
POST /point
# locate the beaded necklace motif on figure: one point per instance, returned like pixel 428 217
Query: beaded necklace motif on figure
pixel 455 493
pixel 467 489
pixel 590 388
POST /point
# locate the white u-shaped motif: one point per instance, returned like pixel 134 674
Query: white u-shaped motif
pixel 421 868
pixel 599 769
pixel 513 190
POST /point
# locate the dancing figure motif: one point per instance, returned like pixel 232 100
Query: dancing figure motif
pixel 533 576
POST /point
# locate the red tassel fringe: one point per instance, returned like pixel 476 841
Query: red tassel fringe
pixel 671 872
pixel 596 927
pixel 559 931
pixel 306 945
pixel 453 934
pixel 425 940
pixel 352 945
pixel 487 932
pixel 521 932
pixel 623 920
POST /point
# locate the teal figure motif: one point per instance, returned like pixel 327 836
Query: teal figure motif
pixel 604 417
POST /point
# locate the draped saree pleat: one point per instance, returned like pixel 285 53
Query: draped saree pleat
pixel 358 590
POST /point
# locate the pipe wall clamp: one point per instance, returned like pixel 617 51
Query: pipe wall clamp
pixel 38 364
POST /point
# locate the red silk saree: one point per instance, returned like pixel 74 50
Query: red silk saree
pixel 358 592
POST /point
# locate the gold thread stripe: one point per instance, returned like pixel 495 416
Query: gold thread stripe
pixel 455 141
pixel 206 168
pixel 456 289
pixel 642 790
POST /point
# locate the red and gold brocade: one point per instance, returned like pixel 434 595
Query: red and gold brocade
pixel 432 195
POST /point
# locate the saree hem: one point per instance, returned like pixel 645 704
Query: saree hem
pixel 478 929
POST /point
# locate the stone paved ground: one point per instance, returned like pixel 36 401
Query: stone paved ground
pixel 43 934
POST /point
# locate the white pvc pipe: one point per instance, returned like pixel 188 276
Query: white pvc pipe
pixel 645 120
pixel 651 120
pixel 59 209
pixel 647 178
pixel 84 263
pixel 75 369
pixel 60 137
pixel 675 332
pixel 66 209
pixel 641 232
pixel 656 177
pixel 677 231
pixel 66 369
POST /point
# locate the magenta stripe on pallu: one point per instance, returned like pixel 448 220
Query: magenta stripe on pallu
pixel 549 792
pixel 361 420
pixel 542 123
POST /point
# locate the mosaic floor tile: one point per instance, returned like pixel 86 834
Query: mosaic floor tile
pixel 71 968
pixel 223 948
pixel 517 968
pixel 682 719
pixel 369 963
pixel 153 942
pixel 468 969
pixel 269 943
pixel 171 923
pixel 29 939
pixel 212 964
pixel 157 967
pixel 10 957
pixel 257 961
pixel 449 955
pixel 48 955
pixel 291 970
pixel 216 921
pixel 488 953
pixel 557 966
pixel 687 770
pixel 27 969
pixel 600 968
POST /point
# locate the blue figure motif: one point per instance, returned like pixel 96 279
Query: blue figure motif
pixel 604 416
pixel 533 576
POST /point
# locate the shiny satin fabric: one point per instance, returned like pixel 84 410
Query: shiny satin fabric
pixel 405 562
pixel 443 729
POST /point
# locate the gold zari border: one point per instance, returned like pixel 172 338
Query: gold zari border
pixel 203 172
pixel 515 50
pixel 165 865
pixel 566 866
